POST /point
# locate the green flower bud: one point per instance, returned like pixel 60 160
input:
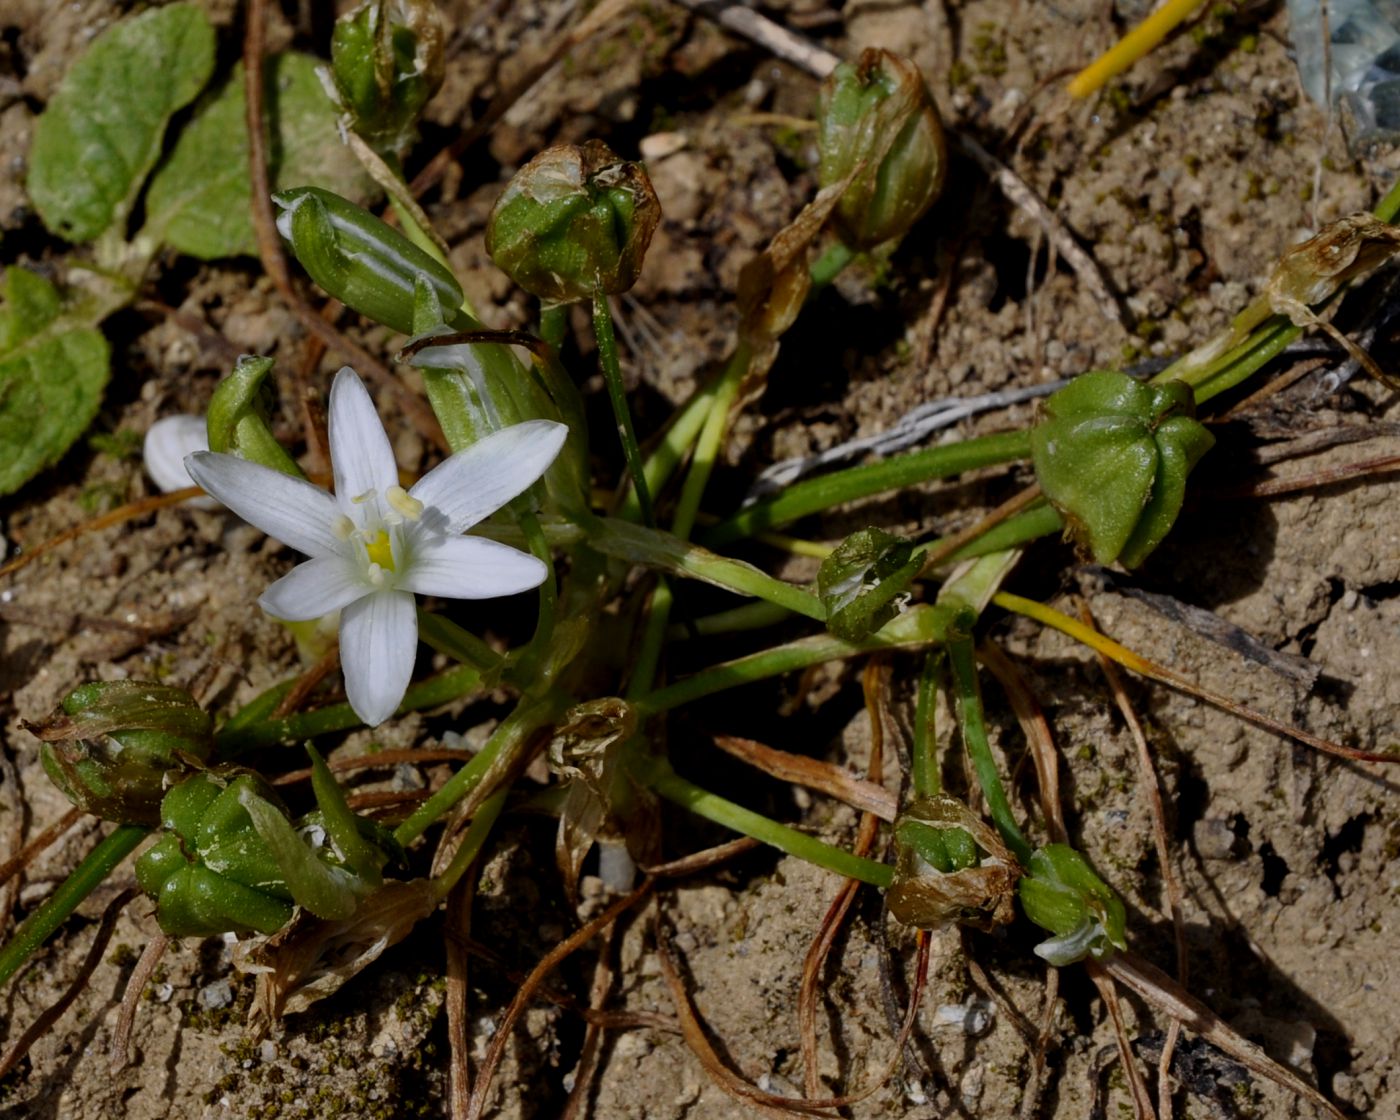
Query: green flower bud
pixel 877 122
pixel 864 581
pixel 573 222
pixel 1112 455
pixel 115 746
pixel 361 261
pixel 950 866
pixel 1063 894
pixel 238 417
pixel 386 64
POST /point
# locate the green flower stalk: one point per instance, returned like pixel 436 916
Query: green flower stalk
pixel 367 265
pixel 1063 894
pixel 386 64
pixel 877 123
pixel 1112 455
pixel 114 747
pixel 573 223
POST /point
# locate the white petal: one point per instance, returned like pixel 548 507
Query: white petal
pixel 469 568
pixel 290 509
pixel 361 457
pixel 378 645
pixel 479 480
pixel 163 452
pixel 314 589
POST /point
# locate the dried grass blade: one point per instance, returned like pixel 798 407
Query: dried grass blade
pixel 831 780
pixel 1142 1100
pixel 131 999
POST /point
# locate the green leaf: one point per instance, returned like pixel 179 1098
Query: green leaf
pixel 101 133
pixel 861 582
pixel 199 198
pixel 51 379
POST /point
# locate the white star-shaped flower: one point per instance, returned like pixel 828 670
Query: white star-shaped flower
pixel 373 545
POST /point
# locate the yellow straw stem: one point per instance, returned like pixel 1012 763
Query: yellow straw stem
pixel 1132 46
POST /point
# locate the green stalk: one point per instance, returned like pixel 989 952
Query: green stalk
pixel 554 324
pixel 674 445
pixel 894 473
pixel 617 394
pixel 974 730
pixel 1022 528
pixel 239 734
pixel 921 626
pixel 513 733
pixel 528 667
pixel 830 264
pixel 472 842
pixel 55 910
pixel 925 749
pixel 659 776
pixel 751 616
pixel 674 556
pixel 446 637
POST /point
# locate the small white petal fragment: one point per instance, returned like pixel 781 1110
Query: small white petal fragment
pixel 480 479
pixel 361 458
pixel 290 509
pixel 313 589
pixel 471 568
pixel 378 642
pixel 167 443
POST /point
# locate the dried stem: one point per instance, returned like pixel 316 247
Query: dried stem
pixel 131 999
pixel 1142 1100
pixel 458 927
pixel 834 781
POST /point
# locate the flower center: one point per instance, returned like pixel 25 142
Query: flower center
pixel 380 550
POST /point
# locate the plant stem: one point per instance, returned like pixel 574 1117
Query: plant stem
pixel 554 324
pixel 673 447
pixel 925 748
pixel 830 265
pixel 617 394
pixel 974 731
pixel 894 473
pixel 446 637
pixel 472 842
pixel 922 626
pixel 1038 521
pixel 670 785
pixel 751 616
pixel 86 877
pixel 239 735
pixel 513 733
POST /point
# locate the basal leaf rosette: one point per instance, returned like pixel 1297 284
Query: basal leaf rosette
pixel 1112 455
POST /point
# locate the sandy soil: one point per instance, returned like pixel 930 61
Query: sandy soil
pixel 1185 181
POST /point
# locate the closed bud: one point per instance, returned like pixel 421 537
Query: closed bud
pixel 240 413
pixel 358 259
pixel 1063 894
pixel 113 747
pixel 877 123
pixel 386 64
pixel 574 222
pixel 1112 455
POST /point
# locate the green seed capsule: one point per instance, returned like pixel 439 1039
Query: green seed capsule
pixel 876 120
pixel 573 222
pixel 1063 894
pixel 361 261
pixel 115 746
pixel 1112 455
pixel 386 63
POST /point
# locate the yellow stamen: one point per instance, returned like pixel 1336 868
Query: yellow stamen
pixel 401 500
pixel 380 550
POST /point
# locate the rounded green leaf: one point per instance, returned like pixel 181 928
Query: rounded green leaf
pixel 102 130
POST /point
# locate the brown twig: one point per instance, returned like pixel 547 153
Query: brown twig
pixel 1142 1101
pixel 458 926
pixel 946 548
pixel 270 244
pixel 591 1050
pixel 411 755
pixel 834 781
pixel 1172 885
pixel 53 1013
pixel 526 994
pixel 19 821
pixel 703 860
pixel 12 866
pixel 131 999
pixel 1274 487
pixel 306 683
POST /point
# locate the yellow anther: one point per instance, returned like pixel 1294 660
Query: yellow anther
pixel 343 527
pixel 380 550
pixel 401 500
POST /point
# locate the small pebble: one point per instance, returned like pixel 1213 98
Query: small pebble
pixel 216 995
